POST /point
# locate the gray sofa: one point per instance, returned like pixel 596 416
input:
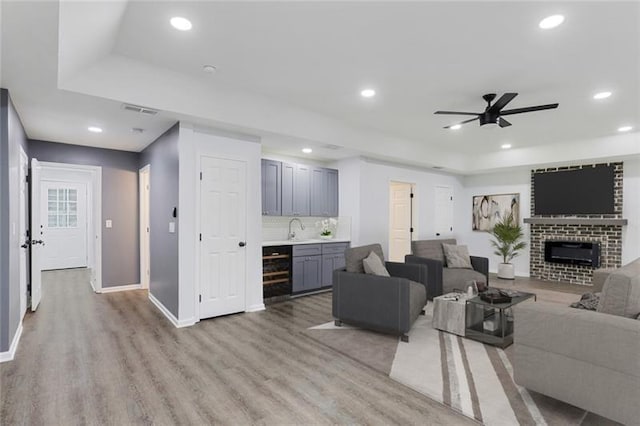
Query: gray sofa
pixel 385 304
pixel 441 279
pixel 585 358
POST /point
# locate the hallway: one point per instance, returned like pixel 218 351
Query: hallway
pixel 114 359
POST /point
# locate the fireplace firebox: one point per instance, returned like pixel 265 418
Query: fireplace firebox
pixel 572 252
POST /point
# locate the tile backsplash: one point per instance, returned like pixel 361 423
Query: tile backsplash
pixel 276 228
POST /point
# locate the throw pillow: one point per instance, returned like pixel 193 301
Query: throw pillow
pixel 457 256
pixel 373 265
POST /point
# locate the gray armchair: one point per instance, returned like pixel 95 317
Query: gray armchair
pixel 385 304
pixel 442 280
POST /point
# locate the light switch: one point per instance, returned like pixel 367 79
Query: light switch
pixel 172 227
pixel 108 223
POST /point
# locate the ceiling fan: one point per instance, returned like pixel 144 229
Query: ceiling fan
pixel 493 112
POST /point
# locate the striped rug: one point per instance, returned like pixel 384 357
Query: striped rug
pixel 470 377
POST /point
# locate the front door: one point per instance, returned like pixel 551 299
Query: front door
pixel 223 217
pixel 63 209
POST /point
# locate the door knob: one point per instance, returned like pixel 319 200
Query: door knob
pixel 242 243
pixel 26 244
pixel 34 242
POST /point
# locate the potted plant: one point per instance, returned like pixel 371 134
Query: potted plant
pixel 508 242
pixel 327 228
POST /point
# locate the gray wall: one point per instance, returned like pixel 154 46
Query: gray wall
pixel 12 137
pixel 120 244
pixel 162 155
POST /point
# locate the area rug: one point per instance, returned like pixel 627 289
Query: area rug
pixel 470 377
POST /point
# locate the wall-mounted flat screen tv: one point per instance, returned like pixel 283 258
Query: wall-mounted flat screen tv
pixel 571 192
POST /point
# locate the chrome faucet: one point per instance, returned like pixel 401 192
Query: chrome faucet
pixel 292 234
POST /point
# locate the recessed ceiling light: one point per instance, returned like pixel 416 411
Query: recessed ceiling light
pixel 602 95
pixel 209 69
pixel 624 128
pixel 368 93
pixel 505 146
pixel 180 23
pixel 551 22
pixel 455 126
pixel 307 150
pixel 94 129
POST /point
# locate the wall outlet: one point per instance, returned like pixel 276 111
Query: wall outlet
pixel 172 227
pixel 108 223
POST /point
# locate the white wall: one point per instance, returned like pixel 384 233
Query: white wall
pixel 494 183
pixel 631 211
pixel 195 142
pixel 519 182
pixel 366 199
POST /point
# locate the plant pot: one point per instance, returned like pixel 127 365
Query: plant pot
pixel 326 237
pixel 506 271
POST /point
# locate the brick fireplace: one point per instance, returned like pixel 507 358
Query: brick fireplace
pixel 604 230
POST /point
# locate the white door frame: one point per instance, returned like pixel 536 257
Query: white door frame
pixel 94 215
pixel 199 227
pixel 144 175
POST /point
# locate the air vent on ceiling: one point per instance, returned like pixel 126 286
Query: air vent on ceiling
pixel 139 109
pixel 331 146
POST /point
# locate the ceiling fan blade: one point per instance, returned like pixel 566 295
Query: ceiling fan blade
pixel 503 123
pixel 462 122
pixel 456 113
pixel 502 102
pixel 528 109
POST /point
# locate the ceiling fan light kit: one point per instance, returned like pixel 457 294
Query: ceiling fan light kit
pixel 493 113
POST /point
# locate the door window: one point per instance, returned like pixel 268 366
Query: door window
pixel 62 208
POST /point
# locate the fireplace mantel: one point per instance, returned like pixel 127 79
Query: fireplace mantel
pixel 574 221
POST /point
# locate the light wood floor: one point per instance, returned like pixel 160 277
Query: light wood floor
pixel 114 359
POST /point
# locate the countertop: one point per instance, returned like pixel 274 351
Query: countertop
pixel 300 242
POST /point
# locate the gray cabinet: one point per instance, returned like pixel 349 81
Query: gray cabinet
pixel 271 188
pixel 324 192
pixel 306 273
pixel 295 189
pixel 332 259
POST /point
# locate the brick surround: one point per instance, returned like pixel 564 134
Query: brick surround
pixel 609 237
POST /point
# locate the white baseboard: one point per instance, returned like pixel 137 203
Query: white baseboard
pixel 11 353
pixel 167 313
pixel 255 308
pixel 120 288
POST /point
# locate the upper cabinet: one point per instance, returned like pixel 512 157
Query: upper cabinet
pixel 271 188
pixel 298 190
pixel 324 192
pixel 295 189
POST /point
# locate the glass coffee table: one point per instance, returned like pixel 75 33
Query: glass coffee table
pixel 492 323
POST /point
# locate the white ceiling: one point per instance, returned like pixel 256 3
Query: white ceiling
pixel 291 72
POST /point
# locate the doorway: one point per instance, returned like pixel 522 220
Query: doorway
pixel 144 179
pixel 66 214
pixel 223 222
pixel 401 214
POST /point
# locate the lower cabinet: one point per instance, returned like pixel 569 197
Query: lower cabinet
pixel 313 265
pixel 331 262
pixel 307 273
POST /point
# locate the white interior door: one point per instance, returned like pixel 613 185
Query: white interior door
pixel 24 238
pixel 145 227
pixel 36 236
pixel 400 217
pixel 223 218
pixel 444 211
pixel 63 212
